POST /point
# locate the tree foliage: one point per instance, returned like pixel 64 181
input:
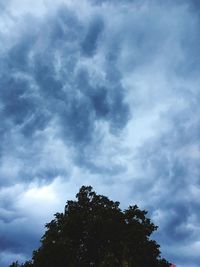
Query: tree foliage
pixel 94 231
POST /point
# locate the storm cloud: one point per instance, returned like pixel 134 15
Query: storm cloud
pixel 106 94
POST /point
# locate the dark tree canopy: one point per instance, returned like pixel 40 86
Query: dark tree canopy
pixel 94 231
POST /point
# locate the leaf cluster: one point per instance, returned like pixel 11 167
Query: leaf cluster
pixel 94 231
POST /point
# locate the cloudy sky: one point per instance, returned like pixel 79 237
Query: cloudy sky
pixel 103 93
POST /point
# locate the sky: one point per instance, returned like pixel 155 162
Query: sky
pixel 103 93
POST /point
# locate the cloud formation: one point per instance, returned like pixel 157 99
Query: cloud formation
pixel 104 94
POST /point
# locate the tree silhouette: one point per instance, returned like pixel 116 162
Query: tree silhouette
pixel 94 231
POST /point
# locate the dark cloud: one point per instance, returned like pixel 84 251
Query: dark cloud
pixel 35 92
pixel 107 94
pixel 72 98
pixel 90 41
pixel 17 105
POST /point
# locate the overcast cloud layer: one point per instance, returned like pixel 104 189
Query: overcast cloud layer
pixel 101 93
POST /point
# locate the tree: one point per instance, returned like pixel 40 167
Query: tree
pixel 15 264
pixel 94 231
pixel 26 264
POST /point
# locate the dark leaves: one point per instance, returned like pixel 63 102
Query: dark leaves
pixel 94 231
